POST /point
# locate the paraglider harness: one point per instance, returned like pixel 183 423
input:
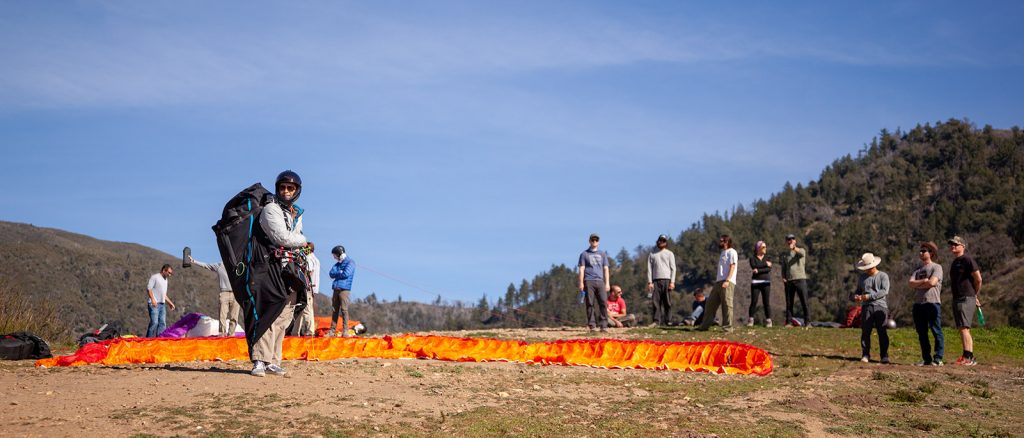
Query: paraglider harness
pixel 262 273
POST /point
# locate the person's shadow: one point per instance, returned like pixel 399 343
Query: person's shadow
pixel 197 370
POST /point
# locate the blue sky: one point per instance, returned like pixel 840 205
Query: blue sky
pixel 455 147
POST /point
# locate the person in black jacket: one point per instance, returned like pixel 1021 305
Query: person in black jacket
pixel 760 283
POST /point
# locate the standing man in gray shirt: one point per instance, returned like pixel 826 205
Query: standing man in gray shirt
pixel 926 283
pixel 872 288
pixel 594 280
pixel 228 305
pixel 661 279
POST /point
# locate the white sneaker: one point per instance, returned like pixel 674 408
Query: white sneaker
pixel 258 369
pixel 750 322
pixel 275 370
pixel 865 359
pixel 767 323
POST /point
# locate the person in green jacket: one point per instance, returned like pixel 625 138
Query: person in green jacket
pixel 794 277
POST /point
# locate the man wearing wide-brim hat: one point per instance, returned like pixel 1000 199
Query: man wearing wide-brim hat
pixel 872 288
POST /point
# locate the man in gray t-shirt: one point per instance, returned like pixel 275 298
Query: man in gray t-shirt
pixel 926 282
pixel 594 280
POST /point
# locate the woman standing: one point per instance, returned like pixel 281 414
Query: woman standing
pixel 760 283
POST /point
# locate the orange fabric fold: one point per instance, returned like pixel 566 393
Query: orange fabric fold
pixel 719 357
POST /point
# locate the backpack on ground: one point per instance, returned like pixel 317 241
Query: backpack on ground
pixel 103 333
pixel 23 345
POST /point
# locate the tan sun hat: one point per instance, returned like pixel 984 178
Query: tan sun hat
pixel 868 261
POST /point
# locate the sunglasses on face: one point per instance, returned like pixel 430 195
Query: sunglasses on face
pixel 924 251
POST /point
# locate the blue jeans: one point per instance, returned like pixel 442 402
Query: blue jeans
pixel 928 316
pixel 157 320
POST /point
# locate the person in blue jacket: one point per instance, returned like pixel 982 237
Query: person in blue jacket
pixel 342 272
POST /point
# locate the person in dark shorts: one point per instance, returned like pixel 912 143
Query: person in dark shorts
pixel 965 280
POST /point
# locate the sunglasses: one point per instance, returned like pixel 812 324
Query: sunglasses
pixel 923 251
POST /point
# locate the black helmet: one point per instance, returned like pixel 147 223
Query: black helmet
pixel 338 250
pixel 289 177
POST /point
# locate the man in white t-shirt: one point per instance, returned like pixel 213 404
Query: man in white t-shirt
pixel 157 290
pixel 725 285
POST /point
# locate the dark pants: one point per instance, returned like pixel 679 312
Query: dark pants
pixel 928 316
pixel 799 289
pixel 661 303
pixel 764 290
pixel 597 304
pixel 874 317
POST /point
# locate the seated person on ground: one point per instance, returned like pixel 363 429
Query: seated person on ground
pixel 697 315
pixel 617 315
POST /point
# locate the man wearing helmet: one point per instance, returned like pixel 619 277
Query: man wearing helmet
pixel 343 272
pixel 281 226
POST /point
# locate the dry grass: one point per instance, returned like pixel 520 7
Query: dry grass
pixel 18 313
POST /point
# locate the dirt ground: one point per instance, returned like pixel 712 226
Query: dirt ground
pixel 817 389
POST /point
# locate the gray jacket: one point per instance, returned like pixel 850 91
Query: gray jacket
pixel 661 265
pixel 222 274
pixel 281 227
pixel 876 287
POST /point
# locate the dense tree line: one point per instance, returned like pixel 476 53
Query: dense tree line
pixel 926 184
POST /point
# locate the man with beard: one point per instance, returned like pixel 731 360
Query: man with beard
pixel 724 288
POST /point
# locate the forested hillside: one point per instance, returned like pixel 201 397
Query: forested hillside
pixel 926 184
pixel 93 282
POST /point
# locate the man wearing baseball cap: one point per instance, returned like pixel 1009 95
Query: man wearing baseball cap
pixel 794 278
pixel 594 279
pixel 965 279
pixel 661 279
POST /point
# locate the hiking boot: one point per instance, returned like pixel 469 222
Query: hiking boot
pixel 937 363
pixel 865 359
pixel 750 322
pixel 275 370
pixel 258 369
pixel 767 323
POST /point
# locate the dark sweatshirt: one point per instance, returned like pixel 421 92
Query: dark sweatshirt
pixel 764 272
